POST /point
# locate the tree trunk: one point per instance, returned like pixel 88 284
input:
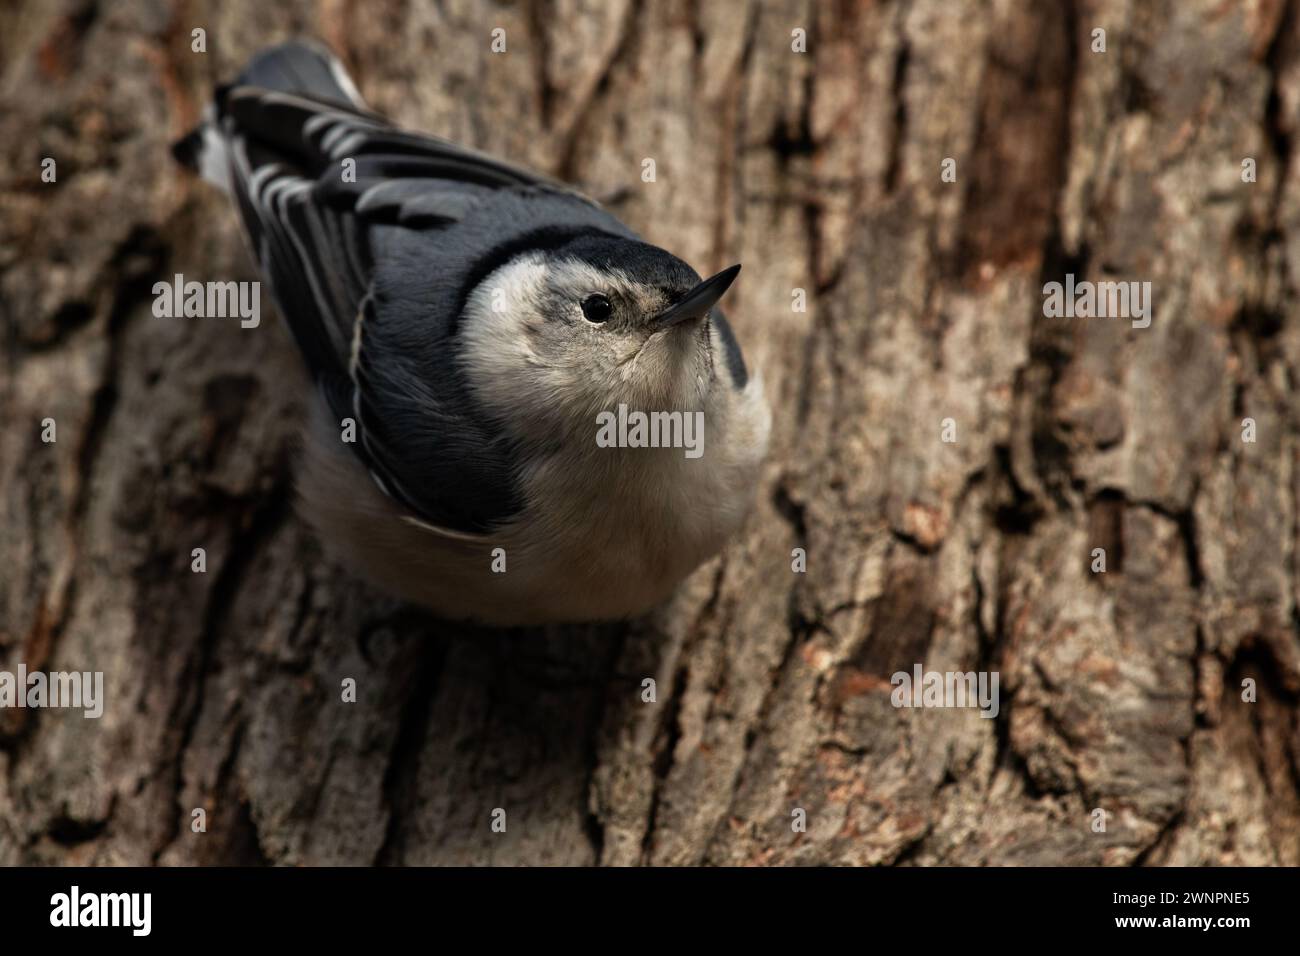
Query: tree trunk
pixel 822 172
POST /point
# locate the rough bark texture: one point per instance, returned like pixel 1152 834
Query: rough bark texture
pixel 818 171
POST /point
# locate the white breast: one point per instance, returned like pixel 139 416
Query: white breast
pixel 624 525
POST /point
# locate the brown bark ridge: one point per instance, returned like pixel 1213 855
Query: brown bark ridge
pixel 820 171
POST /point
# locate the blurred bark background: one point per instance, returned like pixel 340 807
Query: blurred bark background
pixel 819 171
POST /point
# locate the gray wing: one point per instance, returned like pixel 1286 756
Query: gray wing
pixel 371 238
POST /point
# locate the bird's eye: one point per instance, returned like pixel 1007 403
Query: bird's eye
pixel 597 308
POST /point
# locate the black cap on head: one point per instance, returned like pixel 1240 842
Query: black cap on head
pixel 640 260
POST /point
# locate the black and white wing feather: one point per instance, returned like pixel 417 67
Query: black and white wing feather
pixel 371 238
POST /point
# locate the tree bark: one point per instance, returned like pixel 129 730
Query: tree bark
pixel 822 172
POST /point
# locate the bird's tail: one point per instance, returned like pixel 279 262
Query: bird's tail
pixel 298 66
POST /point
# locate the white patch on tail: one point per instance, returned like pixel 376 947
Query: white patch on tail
pixel 213 159
pixel 344 81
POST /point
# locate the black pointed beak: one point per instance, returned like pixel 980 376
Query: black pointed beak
pixel 698 301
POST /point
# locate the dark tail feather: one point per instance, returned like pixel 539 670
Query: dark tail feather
pixel 301 66
pixel 189 148
pixel 298 66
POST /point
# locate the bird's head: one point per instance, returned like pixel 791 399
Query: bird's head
pixel 553 338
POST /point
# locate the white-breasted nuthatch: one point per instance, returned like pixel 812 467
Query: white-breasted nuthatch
pixel 474 321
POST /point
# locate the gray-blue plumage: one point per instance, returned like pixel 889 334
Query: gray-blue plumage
pixel 373 239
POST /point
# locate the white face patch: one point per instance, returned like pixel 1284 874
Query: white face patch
pixel 532 358
pixel 497 344
pixel 657 371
